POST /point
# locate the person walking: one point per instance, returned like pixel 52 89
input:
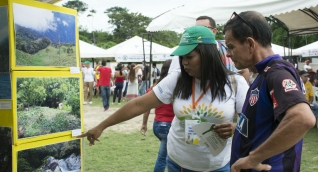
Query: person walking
pixel 119 83
pixel 145 79
pixel 89 78
pixel 97 79
pixel 104 82
pixel 163 117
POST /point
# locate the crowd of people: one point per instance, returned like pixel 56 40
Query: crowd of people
pixel 273 112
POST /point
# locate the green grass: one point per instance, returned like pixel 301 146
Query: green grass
pixel 46 57
pixel 134 152
pixel 122 152
pixel 309 157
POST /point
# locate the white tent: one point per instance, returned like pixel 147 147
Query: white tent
pixel 298 21
pixel 131 50
pixel 309 50
pixel 276 48
pixel 90 51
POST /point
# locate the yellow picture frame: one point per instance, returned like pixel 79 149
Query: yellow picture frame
pixel 32 62
pixel 43 143
pixel 42 75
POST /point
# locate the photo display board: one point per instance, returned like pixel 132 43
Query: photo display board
pixel 44 36
pixel 47 105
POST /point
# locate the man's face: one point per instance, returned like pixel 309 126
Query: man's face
pixel 87 65
pixel 206 23
pixel 239 53
pixel 304 78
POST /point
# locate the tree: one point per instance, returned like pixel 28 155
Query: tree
pixel 77 5
pixel 280 37
pixel 126 24
pixel 166 38
pixel 91 14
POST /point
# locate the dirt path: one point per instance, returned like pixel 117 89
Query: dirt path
pixel 93 115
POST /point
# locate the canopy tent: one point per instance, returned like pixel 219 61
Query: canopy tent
pixel 286 13
pixel 131 50
pixel 276 48
pixel 309 50
pixel 90 51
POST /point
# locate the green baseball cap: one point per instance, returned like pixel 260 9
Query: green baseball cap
pixel 193 36
pixel 87 62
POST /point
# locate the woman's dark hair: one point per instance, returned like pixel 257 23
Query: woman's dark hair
pixel 120 67
pixel 132 73
pixel 164 69
pixel 213 72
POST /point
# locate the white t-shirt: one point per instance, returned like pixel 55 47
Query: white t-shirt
pixel 88 74
pixel 198 157
pixel 307 66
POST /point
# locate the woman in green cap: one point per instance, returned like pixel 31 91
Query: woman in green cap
pixel 203 92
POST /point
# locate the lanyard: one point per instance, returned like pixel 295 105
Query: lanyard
pixel 194 103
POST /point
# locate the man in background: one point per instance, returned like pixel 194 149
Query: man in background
pixel 307 67
pixel 104 83
pixel 210 23
pixel 145 79
pixel 309 92
pixel 89 78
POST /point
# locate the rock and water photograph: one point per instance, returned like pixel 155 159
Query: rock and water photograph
pixel 59 157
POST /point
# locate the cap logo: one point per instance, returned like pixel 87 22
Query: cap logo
pixel 185 38
pixel 202 40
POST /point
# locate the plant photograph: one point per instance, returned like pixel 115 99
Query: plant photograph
pixel 4 40
pixel 44 37
pixel 47 105
pixel 5 149
pixel 65 156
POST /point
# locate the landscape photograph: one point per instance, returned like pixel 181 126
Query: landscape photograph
pixel 59 157
pixel 44 37
pixel 47 105
pixel 4 40
pixel 5 149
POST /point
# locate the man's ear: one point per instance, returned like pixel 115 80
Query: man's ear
pixel 251 43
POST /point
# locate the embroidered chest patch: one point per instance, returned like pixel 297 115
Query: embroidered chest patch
pixel 254 96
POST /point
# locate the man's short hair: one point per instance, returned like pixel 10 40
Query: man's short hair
pixel 250 24
pixel 212 21
pixel 154 64
pixel 103 63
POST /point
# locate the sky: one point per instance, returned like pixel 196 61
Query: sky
pixel 149 8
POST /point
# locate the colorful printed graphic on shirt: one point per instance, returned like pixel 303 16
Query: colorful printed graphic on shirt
pixel 254 96
pixel 289 85
pixel 201 112
pixel 275 104
pixel 267 68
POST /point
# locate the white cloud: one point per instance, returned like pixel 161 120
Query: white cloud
pixel 150 8
pixel 65 23
pixel 34 18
